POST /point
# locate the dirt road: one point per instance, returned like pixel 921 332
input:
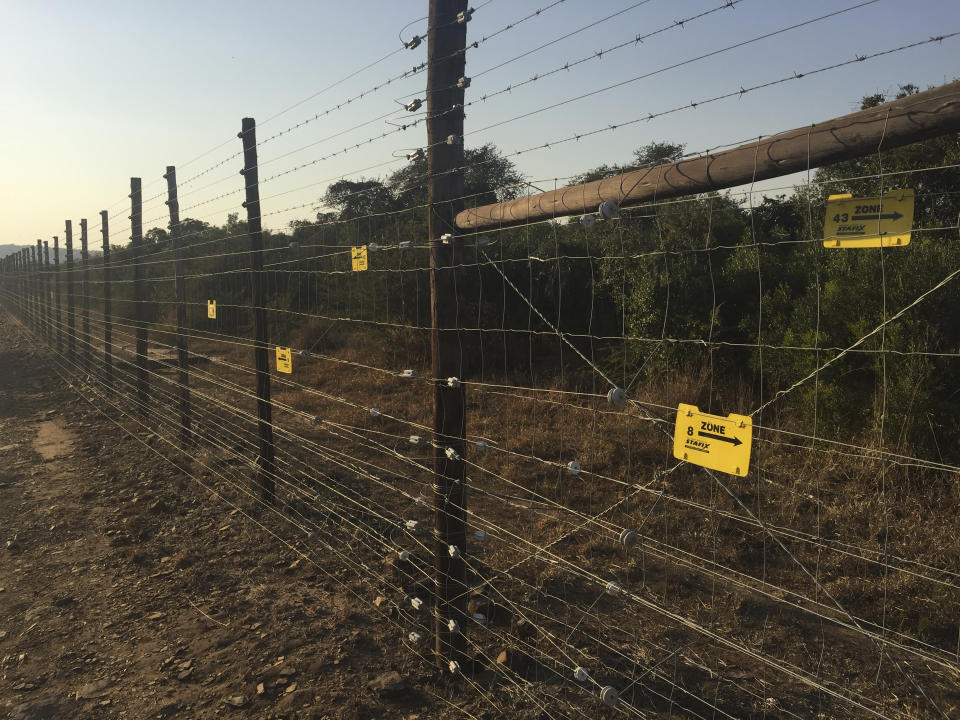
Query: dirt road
pixel 127 590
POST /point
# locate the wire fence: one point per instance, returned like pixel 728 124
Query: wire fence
pixel 605 566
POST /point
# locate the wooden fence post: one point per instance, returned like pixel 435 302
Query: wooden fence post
pixel 183 376
pixel 71 305
pixel 56 292
pixel 107 322
pixel 41 290
pixel 446 43
pixel 46 289
pixel 139 293
pixel 34 287
pixel 85 293
pixel 248 134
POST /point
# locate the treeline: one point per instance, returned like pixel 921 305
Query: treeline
pixel 734 299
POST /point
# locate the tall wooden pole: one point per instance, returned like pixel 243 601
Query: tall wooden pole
pixel 107 321
pixel 183 376
pixel 248 134
pixel 139 292
pixel 446 43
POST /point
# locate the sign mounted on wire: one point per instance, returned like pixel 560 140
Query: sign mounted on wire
pixel 869 221
pixel 713 441
pixel 284 360
pixel 358 258
pixel 212 309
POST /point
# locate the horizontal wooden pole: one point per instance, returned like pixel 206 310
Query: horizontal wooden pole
pixel 901 122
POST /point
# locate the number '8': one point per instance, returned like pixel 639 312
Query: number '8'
pixel 689 429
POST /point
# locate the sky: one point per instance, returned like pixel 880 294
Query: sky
pixel 99 91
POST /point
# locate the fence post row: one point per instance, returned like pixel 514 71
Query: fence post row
pixel 139 292
pixel 107 324
pixel 446 43
pixel 183 377
pixel 248 135
pixel 71 305
pixel 85 293
pixel 46 289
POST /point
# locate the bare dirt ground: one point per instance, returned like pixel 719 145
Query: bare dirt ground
pixel 128 591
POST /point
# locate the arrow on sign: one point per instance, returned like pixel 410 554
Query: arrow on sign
pixel 889 216
pixel 733 441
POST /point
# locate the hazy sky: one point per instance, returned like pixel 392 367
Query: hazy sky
pixel 98 91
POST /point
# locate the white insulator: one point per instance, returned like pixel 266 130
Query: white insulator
pixel 481 446
pixel 405 244
pixel 421 501
pixel 454 139
pixel 480 535
pixel 587 221
pixel 416 602
pixel 617 397
pixel 404 555
pixel 628 538
pixel 612 588
pixel 375 412
pixel 294 245
pixel 446 238
pixel 480 618
pixel 451 454
pixel 609 695
pixel 573 467
pixel 463 82
pixel 464 16
pixel 416 440
pixel 453 551
pixel 317 419
pixel 413 42
pixel 372 247
pixel 408 374
pixel 453 382
pixel 414 105
pixel 454 667
pixel 304 353
pixel 414 637
pixel 453 625
pixel 580 674
pixel 609 210
pixel 411 525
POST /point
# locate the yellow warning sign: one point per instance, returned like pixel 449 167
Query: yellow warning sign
pixel 713 441
pixel 358 258
pixel 284 360
pixel 212 309
pixel 869 221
